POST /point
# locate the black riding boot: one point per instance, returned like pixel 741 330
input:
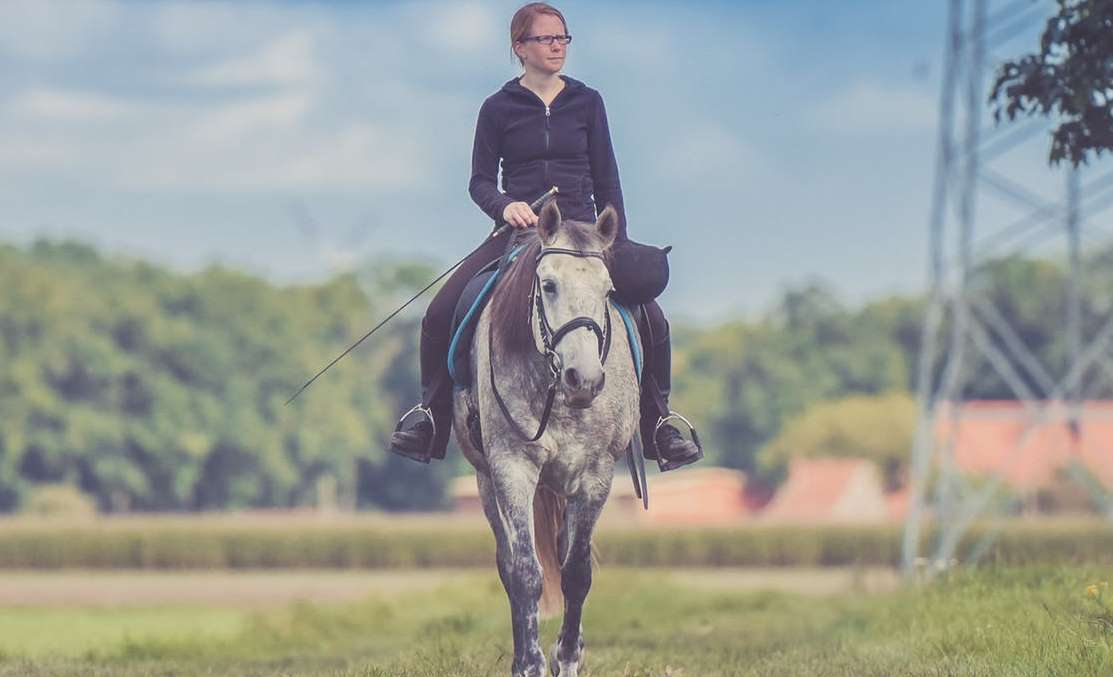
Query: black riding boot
pixel 660 439
pixel 415 437
pixel 423 432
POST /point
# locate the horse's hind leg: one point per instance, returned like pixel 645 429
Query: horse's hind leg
pixel 581 514
pixel 508 503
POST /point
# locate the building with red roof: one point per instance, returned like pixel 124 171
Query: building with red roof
pixel 1031 450
pixel 1042 450
pixel 829 490
pixel 710 495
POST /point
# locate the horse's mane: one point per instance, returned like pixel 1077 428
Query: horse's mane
pixel 510 304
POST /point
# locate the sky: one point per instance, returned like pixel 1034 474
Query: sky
pixel 771 143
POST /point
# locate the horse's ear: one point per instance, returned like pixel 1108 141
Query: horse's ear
pixel 607 223
pixel 548 222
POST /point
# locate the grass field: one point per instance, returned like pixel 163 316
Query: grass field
pixel 1034 621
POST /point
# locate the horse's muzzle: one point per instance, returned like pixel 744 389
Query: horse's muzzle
pixel 580 391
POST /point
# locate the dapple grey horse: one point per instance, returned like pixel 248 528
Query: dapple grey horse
pixel 544 328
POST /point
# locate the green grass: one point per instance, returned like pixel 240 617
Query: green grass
pixel 1034 621
pixel 78 632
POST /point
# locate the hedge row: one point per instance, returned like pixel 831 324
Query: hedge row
pixel 1019 544
pixel 228 546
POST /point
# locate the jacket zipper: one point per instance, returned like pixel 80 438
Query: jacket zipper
pixel 546 161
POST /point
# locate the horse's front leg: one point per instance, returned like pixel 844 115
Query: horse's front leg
pixel 515 480
pixel 581 514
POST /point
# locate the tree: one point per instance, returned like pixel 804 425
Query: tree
pixel 744 380
pixel 878 428
pixel 150 390
pixel 1071 78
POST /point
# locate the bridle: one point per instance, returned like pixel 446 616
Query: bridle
pixel 550 339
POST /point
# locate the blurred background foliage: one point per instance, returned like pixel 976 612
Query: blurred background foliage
pixel 152 390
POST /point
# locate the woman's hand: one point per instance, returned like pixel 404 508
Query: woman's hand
pixel 519 215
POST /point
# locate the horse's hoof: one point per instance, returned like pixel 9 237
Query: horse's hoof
pixel 570 670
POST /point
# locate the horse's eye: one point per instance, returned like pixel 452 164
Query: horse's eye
pixel 548 286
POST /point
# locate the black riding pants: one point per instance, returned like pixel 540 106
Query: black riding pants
pixel 436 383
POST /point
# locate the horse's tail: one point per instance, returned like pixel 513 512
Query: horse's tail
pixel 548 520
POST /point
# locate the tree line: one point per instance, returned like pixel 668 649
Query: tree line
pixel 153 390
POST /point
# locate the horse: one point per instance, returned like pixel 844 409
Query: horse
pixel 543 492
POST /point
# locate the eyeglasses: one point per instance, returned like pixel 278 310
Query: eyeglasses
pixel 548 39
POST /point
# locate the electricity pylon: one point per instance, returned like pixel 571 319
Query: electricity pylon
pixel 966 337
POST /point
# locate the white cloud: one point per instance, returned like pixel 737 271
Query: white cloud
pixel 639 46
pixel 54 29
pixel 681 43
pixel 286 60
pixel 232 122
pixel 199 27
pixel 456 27
pixel 67 105
pixel 23 153
pixel 702 152
pixel 265 143
pixel 355 156
pixel 875 108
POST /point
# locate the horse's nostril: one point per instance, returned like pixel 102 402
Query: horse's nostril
pixel 599 386
pixel 572 377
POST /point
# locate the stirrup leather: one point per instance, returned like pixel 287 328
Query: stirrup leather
pixel 661 464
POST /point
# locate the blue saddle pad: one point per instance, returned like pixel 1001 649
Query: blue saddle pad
pixel 466 316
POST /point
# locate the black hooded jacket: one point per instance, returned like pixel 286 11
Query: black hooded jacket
pixel 566 144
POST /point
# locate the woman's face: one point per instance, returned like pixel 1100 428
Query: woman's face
pixel 544 58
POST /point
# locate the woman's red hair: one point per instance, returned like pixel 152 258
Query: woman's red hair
pixel 523 21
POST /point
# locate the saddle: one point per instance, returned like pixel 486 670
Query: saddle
pixel 638 288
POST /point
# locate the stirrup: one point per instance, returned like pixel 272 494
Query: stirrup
pixel 424 455
pixel 664 465
pixel 419 407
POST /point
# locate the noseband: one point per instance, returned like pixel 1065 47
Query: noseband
pixel 550 339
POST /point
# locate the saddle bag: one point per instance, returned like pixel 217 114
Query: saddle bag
pixel 639 272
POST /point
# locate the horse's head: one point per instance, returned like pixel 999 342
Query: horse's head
pixel 571 288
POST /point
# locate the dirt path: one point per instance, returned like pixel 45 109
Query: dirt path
pixel 261 589
pixel 250 589
pixel 805 581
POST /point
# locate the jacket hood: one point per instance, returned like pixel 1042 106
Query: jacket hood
pixel 512 86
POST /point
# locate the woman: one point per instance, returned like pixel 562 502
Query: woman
pixel 547 129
